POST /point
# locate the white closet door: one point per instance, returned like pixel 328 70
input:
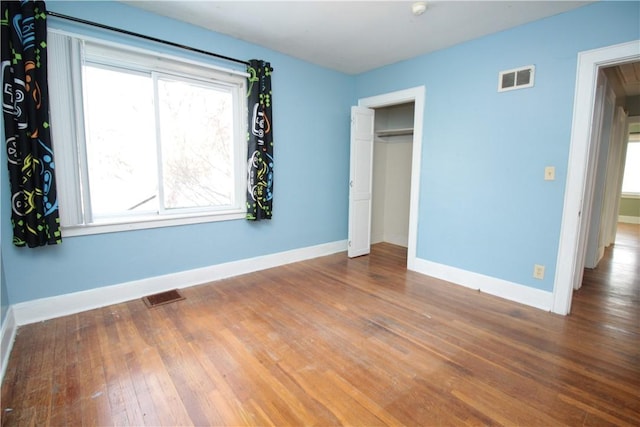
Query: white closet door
pixel 360 179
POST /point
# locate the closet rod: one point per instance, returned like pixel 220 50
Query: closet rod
pixel 142 36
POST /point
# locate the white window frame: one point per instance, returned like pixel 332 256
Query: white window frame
pixel 67 119
pixel 633 139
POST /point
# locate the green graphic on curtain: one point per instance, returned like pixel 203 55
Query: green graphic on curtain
pixel 260 135
pixel 25 106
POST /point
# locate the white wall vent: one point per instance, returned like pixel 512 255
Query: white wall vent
pixel 518 78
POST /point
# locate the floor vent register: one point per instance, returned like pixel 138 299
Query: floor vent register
pixel 162 298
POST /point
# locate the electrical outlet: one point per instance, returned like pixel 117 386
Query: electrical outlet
pixel 549 173
pixel 538 271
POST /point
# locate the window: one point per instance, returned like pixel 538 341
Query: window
pixel 631 178
pixel 143 140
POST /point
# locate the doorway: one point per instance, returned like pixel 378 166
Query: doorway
pixel 392 149
pixel 416 96
pixel 580 173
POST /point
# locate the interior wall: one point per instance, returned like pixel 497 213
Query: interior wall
pixel 378 195
pixel 484 206
pixel 4 302
pixel 396 214
pixel 310 175
pixel 629 210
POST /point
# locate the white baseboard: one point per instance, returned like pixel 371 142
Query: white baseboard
pixel 7 337
pixel 501 288
pixel 63 305
pixel 629 219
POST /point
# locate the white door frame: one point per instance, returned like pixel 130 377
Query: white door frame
pixel 604 109
pixel 417 96
pixel 615 170
pixel 570 259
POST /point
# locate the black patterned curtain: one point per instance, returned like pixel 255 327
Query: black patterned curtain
pixel 25 105
pixel 260 160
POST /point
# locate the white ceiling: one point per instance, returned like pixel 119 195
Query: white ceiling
pixel 356 36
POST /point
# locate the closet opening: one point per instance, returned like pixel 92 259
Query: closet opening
pixel 391 178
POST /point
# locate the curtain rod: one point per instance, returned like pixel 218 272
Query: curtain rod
pixel 142 36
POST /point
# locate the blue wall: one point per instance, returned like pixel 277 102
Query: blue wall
pixel 484 206
pixel 311 135
pixel 4 300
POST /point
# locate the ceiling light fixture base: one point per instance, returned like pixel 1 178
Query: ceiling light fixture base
pixel 418 8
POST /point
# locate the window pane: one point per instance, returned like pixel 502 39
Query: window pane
pixel 196 128
pixel 631 179
pixel 121 147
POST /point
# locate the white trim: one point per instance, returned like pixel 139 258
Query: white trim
pixel 629 219
pixel 569 259
pixel 77 218
pixel 417 96
pixel 138 223
pixel 7 338
pixel 630 196
pixel 501 288
pixel 62 305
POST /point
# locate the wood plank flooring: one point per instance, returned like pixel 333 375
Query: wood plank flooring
pixel 334 341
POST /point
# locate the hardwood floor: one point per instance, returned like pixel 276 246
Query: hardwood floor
pixel 337 341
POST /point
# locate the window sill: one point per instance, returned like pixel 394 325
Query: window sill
pixel 630 195
pixel 129 224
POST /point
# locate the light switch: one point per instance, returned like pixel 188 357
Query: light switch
pixel 549 173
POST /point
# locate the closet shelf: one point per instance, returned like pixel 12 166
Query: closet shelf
pixel 394 132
